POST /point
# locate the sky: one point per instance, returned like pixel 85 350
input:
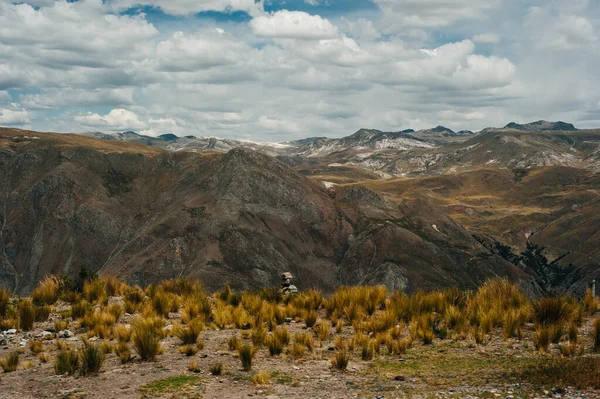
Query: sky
pixel 274 70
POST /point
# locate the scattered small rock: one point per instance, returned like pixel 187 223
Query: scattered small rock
pixel 65 334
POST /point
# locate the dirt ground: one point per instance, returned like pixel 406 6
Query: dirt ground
pixel 446 369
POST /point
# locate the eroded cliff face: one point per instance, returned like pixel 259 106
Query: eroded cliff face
pixel 144 215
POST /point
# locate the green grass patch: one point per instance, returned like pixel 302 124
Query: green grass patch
pixel 183 385
pixel 447 369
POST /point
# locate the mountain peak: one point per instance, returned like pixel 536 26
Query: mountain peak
pixel 168 137
pixel 441 129
pixel 542 125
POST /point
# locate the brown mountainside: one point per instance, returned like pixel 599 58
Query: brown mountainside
pixel 145 214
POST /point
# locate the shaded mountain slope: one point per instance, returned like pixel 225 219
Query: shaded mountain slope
pixel 556 208
pixel 145 214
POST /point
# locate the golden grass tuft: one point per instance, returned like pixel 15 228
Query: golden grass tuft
pixel 189 333
pixel 147 334
pixel 36 346
pixel 26 315
pixel 91 359
pixel 261 378
pixel 10 362
pixel 123 352
pixel 188 350
pixel 216 369
pixel 246 353
pixel 340 360
pixel 4 299
pixel 46 292
pixel 94 290
pixel 66 361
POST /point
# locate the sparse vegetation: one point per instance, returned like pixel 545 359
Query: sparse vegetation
pixel 216 369
pixel 66 361
pixel 47 291
pixel 147 334
pixel 26 315
pixel 10 362
pixel 91 358
pixel 382 325
pixel 246 353
pixel 261 378
pixel 340 360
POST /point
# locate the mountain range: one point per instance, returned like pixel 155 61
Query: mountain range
pixel 410 209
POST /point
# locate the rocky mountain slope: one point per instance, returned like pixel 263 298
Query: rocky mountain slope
pixel 145 214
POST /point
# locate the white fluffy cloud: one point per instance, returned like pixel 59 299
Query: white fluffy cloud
pixel 73 66
pixel 116 119
pixel 293 25
pixel 14 117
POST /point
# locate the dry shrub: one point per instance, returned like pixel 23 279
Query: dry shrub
pixel 42 312
pixel 194 367
pixel 297 349
pixel 554 311
pixel 322 330
pixel 122 350
pixel 194 306
pixel 26 315
pixel 43 357
pixel 189 333
pixel 91 358
pixel 590 302
pixel 4 299
pixel 568 349
pixel 305 340
pixel 60 325
pixel 261 378
pixel 258 335
pixel 277 341
pixel 368 352
pixel 116 310
pixel 216 369
pixel 79 309
pixel 66 361
pixel 47 291
pixel 188 350
pixel 180 286
pixel 340 360
pixel 147 334
pixel 246 353
pixel 113 285
pixel 36 346
pixel 161 303
pixel 122 333
pixel 10 362
pixel 233 343
pixel 94 290
pixel 543 337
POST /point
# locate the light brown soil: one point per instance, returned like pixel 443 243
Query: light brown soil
pixel 446 369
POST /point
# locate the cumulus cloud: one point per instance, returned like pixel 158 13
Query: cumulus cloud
pixel 116 119
pixel 14 117
pixel 285 74
pixel 293 25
